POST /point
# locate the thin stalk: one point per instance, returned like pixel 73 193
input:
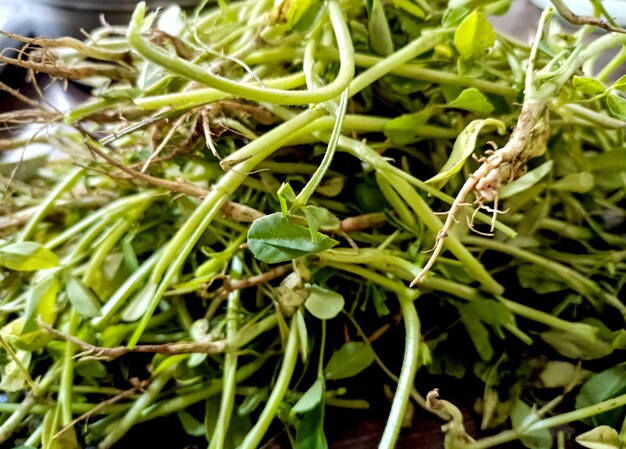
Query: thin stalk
pixel 230 364
pixel 45 207
pixel 254 437
pixel 547 423
pixel 316 179
pixel 191 71
pixel 67 374
pixel 407 373
pixel 612 65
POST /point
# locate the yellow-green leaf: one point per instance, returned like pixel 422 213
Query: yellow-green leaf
pixel 474 36
pixel 27 256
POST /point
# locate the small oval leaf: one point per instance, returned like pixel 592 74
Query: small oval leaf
pixel 349 360
pixel 322 303
pixel 274 239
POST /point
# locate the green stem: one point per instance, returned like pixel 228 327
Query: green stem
pixel 118 299
pixel 315 180
pixel 67 375
pixel 547 423
pixel 45 207
pixel 182 402
pixel 24 408
pixel 230 364
pixel 407 374
pixel 191 71
pixel 254 437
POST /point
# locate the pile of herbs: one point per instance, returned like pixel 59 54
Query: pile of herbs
pixel 247 208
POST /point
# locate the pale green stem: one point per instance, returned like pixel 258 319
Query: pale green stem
pixel 45 207
pixel 191 71
pixel 255 436
pixel 230 365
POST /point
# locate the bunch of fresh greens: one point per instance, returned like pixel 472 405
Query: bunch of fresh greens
pixel 252 189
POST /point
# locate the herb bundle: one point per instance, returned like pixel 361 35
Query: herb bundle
pixel 248 208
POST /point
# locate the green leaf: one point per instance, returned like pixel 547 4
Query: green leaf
pixel 575 182
pixel 560 374
pixel 92 369
pixel 349 360
pixel 274 239
pixel 138 306
pixel 403 129
pixel 298 9
pixel 476 314
pixel 191 425
pixel 311 398
pixel 27 256
pixel 463 147
pixel 310 429
pixel 40 302
pixel 322 303
pixel 526 181
pixel 620 84
pixel 378 28
pixel 474 36
pixel 286 197
pixel 410 7
pixel 600 387
pixel 49 437
pixel 617 105
pixel 602 437
pixel 588 86
pixel 320 217
pixel 472 100
pixel 252 401
pixel 81 297
pixel 454 16
pixel 575 346
pixel 521 417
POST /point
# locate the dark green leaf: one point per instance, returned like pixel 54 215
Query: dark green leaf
pixel 601 387
pixel 349 360
pixel 27 256
pixel 474 36
pixel 81 297
pixel 311 398
pixel 310 430
pixel 92 369
pixel 274 239
pixel 286 197
pixel 322 303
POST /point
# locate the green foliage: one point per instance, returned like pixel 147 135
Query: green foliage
pixel 27 256
pixel 349 360
pixel 323 303
pixel 474 36
pixel 274 239
pixel 605 385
